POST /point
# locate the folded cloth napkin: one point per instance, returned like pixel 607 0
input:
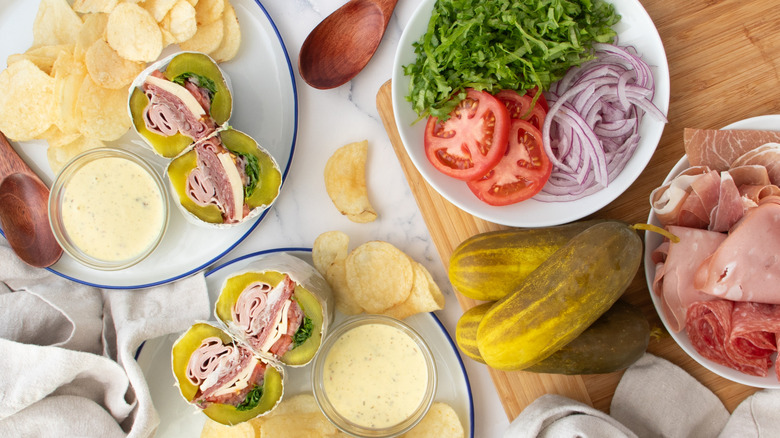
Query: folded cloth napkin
pixel 67 362
pixel 654 398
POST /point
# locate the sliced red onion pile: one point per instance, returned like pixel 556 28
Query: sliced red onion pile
pixel 592 127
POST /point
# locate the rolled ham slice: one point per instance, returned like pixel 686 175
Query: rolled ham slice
pixel 673 282
pixel 746 265
pixel 718 148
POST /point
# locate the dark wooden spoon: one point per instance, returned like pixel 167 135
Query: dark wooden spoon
pixel 24 210
pixel 343 43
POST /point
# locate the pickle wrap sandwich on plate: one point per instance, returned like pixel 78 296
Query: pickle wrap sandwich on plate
pixel 178 101
pixel 280 306
pixel 224 378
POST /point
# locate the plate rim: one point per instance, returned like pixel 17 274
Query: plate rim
pixel 681 338
pixel 519 216
pixel 213 259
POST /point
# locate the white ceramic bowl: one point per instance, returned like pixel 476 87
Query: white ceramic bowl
pixel 652 240
pixel 634 29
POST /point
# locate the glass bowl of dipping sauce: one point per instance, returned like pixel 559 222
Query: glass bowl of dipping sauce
pixel 108 208
pixel 374 376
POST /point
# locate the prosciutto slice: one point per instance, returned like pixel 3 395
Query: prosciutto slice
pixel 746 266
pixel 261 309
pixel 167 115
pixel 718 148
pixel 739 335
pixel 208 183
pixel 767 156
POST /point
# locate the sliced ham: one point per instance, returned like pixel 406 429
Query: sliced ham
pixel 746 266
pixel 209 184
pixel 718 148
pixel 166 114
pixel 675 272
pixel 767 156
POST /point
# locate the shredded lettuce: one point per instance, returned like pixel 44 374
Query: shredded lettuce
pixel 252 399
pixel 304 332
pixel 502 44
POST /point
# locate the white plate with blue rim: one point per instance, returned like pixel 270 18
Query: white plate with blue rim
pixel 177 417
pixel 265 106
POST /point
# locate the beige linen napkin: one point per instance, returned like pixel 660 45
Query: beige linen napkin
pixel 654 398
pixel 67 364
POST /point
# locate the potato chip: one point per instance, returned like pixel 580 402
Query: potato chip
pixel 207 38
pixel 379 275
pixel 345 182
pixel 179 23
pixel 425 296
pixel 158 8
pixel 94 6
pixel 296 417
pixel 43 56
pixel 329 253
pixel 93 29
pixel 102 112
pixel 441 421
pixel 133 33
pixel 68 75
pixel 61 150
pixel 231 39
pixel 209 11
pixel 108 69
pixel 55 23
pixel 27 101
pixel 212 429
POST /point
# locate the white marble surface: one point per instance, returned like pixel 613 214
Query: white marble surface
pixel 329 119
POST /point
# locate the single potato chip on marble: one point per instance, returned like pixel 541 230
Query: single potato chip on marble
pixel 108 69
pixel 179 23
pixel 212 429
pixel 26 102
pixel 379 276
pixel 231 38
pixel 441 421
pixel 94 6
pixel 55 23
pixel 134 33
pixel 424 297
pixel 345 182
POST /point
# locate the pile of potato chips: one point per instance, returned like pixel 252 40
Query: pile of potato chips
pixel 345 182
pixel 376 277
pixel 71 86
pixel 299 416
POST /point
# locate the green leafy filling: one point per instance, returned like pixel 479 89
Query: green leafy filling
pixel 304 332
pixel 252 171
pixel 252 399
pixel 200 81
pixel 502 44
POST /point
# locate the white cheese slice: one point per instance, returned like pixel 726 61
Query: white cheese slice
pixel 239 382
pixel 180 92
pixel 235 183
pixel 279 329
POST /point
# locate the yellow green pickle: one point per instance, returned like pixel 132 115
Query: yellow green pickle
pixel 221 413
pixel 311 307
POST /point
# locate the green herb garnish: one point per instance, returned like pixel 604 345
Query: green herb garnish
pixel 200 81
pixel 252 399
pixel 493 45
pixel 304 332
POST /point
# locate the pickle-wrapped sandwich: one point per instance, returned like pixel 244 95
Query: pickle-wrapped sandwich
pixel 225 179
pixel 280 306
pixel 178 101
pixel 224 378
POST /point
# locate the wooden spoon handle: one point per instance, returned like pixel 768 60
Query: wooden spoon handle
pixel 386 6
pixel 11 162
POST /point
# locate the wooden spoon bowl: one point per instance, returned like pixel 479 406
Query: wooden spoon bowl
pixel 343 43
pixel 24 211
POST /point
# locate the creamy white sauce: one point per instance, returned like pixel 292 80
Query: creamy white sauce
pixel 112 209
pixel 375 375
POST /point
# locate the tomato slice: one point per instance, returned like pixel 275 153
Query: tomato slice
pixel 472 140
pixel 519 106
pixel 521 173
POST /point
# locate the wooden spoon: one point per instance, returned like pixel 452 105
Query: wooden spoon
pixel 343 43
pixel 24 210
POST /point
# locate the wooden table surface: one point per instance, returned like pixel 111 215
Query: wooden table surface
pixel 724 65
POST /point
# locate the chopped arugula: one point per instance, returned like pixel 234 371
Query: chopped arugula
pixel 252 399
pixel 304 332
pixel 200 81
pixel 502 44
pixel 252 171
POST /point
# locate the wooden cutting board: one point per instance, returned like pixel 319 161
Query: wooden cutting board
pixel 724 67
